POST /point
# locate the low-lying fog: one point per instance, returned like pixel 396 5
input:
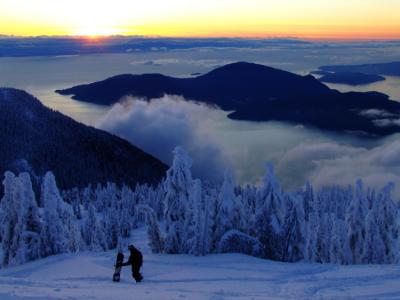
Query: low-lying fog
pixel 214 141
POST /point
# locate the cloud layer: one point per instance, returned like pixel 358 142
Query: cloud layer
pixel 333 163
pixel 158 126
pixel 216 143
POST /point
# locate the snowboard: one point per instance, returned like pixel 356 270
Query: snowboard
pixel 118 267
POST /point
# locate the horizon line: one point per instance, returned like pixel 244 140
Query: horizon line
pixel 283 37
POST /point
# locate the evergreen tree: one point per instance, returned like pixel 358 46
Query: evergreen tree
pixel 339 251
pixel 312 249
pixel 374 250
pixel 208 226
pixel 19 221
pixel 53 234
pixel 178 186
pixel 156 240
pixel 355 219
pixel 387 223
pixel 294 229
pixel 270 213
pixel 229 211
pixel 8 218
pixel 239 242
pixel 27 230
pixel 196 238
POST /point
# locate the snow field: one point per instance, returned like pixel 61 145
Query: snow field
pixel 214 277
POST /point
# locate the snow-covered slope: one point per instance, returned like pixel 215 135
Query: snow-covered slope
pixel 36 139
pixel 214 277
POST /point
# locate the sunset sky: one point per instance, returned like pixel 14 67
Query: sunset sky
pixel 330 19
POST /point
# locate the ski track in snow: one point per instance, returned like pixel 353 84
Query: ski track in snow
pixel 214 277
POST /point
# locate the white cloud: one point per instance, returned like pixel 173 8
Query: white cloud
pixel 215 143
pixel 387 122
pixel 158 126
pixel 376 113
pixel 331 163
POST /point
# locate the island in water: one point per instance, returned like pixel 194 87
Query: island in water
pixel 351 78
pixel 256 92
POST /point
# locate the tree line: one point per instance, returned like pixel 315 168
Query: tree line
pixel 333 224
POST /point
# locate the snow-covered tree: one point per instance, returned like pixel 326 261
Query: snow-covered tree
pixel 311 250
pixel 197 241
pixel 374 250
pixel 110 224
pixel 88 225
pixel 27 230
pixel 236 241
pixel 294 230
pixel 229 210
pixel 156 240
pixel 8 218
pixel 355 219
pixel 339 252
pixel 19 221
pixel 248 201
pixel 387 217
pixel 208 226
pixel 126 215
pixel 333 224
pixel 308 199
pixel 178 187
pixel 54 237
pixel 270 214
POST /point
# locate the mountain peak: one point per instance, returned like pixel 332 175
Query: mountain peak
pixel 243 67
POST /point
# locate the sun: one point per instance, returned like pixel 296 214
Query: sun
pixel 96 31
pixel 98 23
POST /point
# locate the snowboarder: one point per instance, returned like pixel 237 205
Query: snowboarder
pixel 135 261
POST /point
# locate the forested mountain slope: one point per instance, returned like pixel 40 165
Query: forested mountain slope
pixel 36 139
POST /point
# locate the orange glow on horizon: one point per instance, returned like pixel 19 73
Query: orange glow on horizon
pixel 303 19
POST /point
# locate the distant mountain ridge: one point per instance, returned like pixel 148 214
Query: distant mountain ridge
pixel 351 78
pixel 36 139
pixel 389 69
pixel 13 46
pixel 256 93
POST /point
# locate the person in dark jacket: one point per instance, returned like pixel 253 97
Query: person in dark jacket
pixel 135 261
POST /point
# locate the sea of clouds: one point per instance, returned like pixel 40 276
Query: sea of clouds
pixel 217 143
pixel 159 125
